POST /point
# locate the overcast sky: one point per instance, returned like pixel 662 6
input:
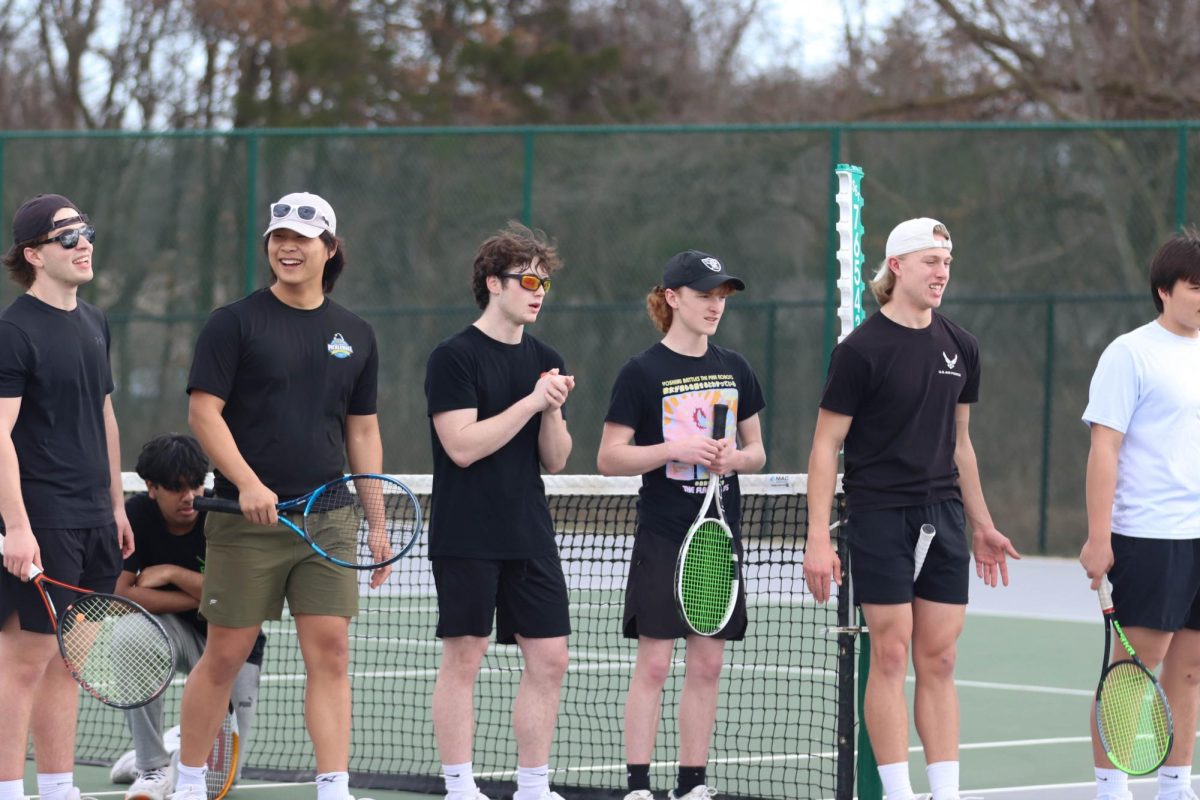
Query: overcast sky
pixel 810 32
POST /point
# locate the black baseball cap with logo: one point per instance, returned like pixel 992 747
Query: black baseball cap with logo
pixel 697 270
pixel 35 218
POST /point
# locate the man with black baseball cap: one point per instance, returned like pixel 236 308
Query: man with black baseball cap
pixel 660 426
pixel 61 501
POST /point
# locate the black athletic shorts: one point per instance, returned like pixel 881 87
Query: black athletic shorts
pixel 1156 582
pixel 525 596
pixel 650 608
pixel 89 558
pixel 882 543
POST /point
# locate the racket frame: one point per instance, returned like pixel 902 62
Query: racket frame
pixel 305 503
pixel 713 494
pixel 1107 666
pixel 228 741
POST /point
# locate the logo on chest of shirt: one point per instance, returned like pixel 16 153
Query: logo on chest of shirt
pixel 339 348
pixel 951 363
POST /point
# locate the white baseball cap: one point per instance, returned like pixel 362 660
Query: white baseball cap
pixel 913 235
pixel 303 212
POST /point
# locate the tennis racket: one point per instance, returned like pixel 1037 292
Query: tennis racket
pixel 1132 713
pixel 707 572
pixel 112 647
pixel 222 762
pixel 363 521
pixel 923 542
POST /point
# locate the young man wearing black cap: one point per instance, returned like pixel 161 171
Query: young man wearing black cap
pixel 898 394
pixel 60 481
pixel 495 398
pixel 659 426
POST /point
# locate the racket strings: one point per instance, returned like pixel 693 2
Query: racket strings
pixel 1133 719
pixel 222 760
pixel 706 580
pixel 117 651
pixel 365 521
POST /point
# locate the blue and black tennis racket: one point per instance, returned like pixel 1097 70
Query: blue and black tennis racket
pixel 363 521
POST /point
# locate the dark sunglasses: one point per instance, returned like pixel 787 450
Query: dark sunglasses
pixel 69 239
pixel 306 213
pixel 528 280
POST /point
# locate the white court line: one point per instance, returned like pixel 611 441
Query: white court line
pixel 1017 687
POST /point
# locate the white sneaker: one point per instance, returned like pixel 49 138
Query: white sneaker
pixel 189 793
pixel 153 784
pixel 478 796
pixel 124 769
pixel 75 794
pixel 1117 796
pixel 1185 793
pixel 640 794
pixel 697 793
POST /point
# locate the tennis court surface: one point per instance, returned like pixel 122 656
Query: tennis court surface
pixel 1028 663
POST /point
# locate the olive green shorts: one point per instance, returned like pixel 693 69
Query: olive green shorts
pixel 249 570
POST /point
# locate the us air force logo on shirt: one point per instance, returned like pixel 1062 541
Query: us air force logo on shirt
pixel 951 363
pixel 339 347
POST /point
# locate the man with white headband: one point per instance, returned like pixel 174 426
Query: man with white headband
pixel 897 397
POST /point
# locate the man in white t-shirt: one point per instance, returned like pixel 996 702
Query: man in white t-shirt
pixel 1143 500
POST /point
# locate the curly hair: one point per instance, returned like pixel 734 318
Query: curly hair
pixel 173 461
pixel 513 247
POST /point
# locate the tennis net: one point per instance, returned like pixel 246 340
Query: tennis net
pixel 785 726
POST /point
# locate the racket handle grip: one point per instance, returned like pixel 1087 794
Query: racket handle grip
pixel 1104 592
pixel 217 504
pixel 720 415
pixel 34 569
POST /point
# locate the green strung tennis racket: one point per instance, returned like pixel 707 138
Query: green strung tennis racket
pixel 1132 713
pixel 707 570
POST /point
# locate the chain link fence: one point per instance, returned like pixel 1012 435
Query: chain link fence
pixel 1053 225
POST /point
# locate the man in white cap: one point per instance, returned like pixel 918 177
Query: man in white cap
pixel 282 395
pixel 898 397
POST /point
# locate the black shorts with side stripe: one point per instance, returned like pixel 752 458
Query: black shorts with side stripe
pixel 526 597
pixel 882 545
pixel 650 608
pixel 89 558
pixel 1156 582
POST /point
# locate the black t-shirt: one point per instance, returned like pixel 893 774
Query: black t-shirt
pixel 289 377
pixel 57 362
pixel 157 545
pixel 664 396
pixel 495 508
pixel 901 386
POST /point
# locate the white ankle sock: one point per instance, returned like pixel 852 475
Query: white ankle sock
pixel 1111 781
pixel 943 779
pixel 460 781
pixel 533 783
pixel 333 786
pixel 896 783
pixel 55 785
pixel 1172 779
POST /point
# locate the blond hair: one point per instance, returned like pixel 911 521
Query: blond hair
pixel 884 282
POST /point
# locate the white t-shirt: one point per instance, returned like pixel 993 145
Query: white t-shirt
pixel 1147 386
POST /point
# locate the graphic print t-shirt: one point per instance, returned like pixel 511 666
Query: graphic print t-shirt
pixel 289 377
pixel 665 396
pixel 901 385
